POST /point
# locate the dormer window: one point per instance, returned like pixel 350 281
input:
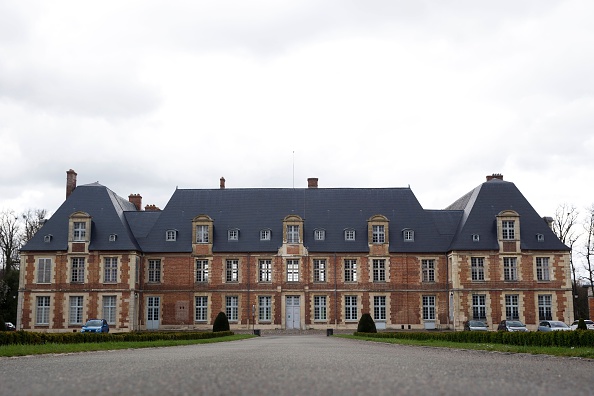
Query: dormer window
pixel 113 237
pixel 171 235
pixel 79 228
pixel 233 235
pixel 80 231
pixel 408 235
pixel 265 235
pixel 47 238
pixel 476 237
pixel 202 234
pixel 540 237
pixel 378 234
pixel 292 233
pixel 508 231
pixel 319 234
pixel 349 235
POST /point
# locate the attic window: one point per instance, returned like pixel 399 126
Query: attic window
pixel 476 237
pixel 265 235
pixel 319 234
pixel 540 237
pixel 408 235
pixel 349 235
pixel 47 238
pixel 113 237
pixel 171 235
pixel 233 235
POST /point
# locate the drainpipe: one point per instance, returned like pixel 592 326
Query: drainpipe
pixel 335 294
pixel 248 291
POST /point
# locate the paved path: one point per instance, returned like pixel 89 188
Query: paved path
pixel 295 365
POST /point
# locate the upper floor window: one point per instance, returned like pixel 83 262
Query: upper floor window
pixel 350 270
pixel 265 235
pixel 232 271
pixel 171 235
pixel 409 235
pixel 319 234
pixel 476 237
pixel 477 266
pixel 47 238
pixel 265 270
pixel 110 269
pixel 379 270
pixel 540 237
pixel 233 235
pixel 44 270
pixel 292 233
pixel 113 237
pixel 349 235
pixel 292 270
pixel 319 270
pixel 202 234
pixel 201 270
pixel 79 231
pixel 428 267
pixel 510 269
pixel 154 271
pixel 77 272
pixel 542 269
pixel 508 230
pixel 378 234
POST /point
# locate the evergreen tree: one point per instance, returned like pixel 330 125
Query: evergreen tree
pixel 366 324
pixel 221 323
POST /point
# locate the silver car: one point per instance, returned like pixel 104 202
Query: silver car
pixel 552 325
pixel 589 324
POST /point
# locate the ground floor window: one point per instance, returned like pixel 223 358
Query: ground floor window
pixel 201 308
pixel 479 307
pixel 350 307
pixel 265 308
pixel 379 307
pixel 428 307
pixel 76 310
pixel 512 310
pixel 109 309
pixel 231 308
pixel 545 307
pixel 43 310
pixel 320 308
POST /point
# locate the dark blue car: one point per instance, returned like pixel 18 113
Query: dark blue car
pixel 95 326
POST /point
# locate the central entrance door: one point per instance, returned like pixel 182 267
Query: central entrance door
pixel 153 305
pixel 293 315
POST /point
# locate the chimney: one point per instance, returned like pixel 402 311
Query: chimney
pixel 70 182
pixel 136 199
pixel 312 182
pixel 495 176
pixel 549 220
pixel 151 208
pixel 222 183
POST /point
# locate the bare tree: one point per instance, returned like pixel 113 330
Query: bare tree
pixel 566 217
pixel 588 248
pixel 33 220
pixel 10 240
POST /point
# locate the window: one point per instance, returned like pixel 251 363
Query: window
pixel 479 307
pixel 265 270
pixel 349 235
pixel 378 234
pixel 540 237
pixel 319 235
pixel 232 271
pixel 202 234
pixel 80 231
pixel 78 270
pixel 409 235
pixel 154 271
pixel 428 267
pixel 320 308
pixel 171 235
pixel 476 237
pixel 545 307
pixel 477 268
pixel 113 237
pixel 350 270
pixel 350 307
pixel 231 308
pixel 379 270
pixel 47 238
pixel 508 230
pixel 109 309
pixel 292 234
pixel 292 270
pixel 510 269
pixel 44 270
pixel 233 235
pixel 76 310
pixel 319 270
pixel 201 309
pixel 264 308
pixel 201 270
pixel 110 270
pixel 43 311
pixel 264 235
pixel 379 307
pixel 428 307
pixel 542 269
pixel 512 310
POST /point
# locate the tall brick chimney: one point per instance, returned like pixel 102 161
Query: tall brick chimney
pixel 222 183
pixel 495 176
pixel 70 182
pixel 151 208
pixel 312 182
pixel 136 199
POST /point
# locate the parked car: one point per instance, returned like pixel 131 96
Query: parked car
pixel 589 324
pixel 475 325
pixel 511 325
pixel 9 326
pixel 552 325
pixel 95 326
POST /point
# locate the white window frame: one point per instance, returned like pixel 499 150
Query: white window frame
pixel 350 270
pixel 379 307
pixel 378 233
pixel 79 231
pixel 510 269
pixel 477 269
pixel 77 270
pixel 428 269
pixel 265 235
pixel 319 266
pixel 545 307
pixel 265 270
pixel 319 235
pixel 200 308
pixel 110 309
pixel 543 273
pixel 202 234
pixel 171 235
pixel 349 235
pixel 293 233
pixel 408 235
pixel 42 316
pixel 292 270
pixel 479 307
pixel 110 270
pixel 233 235
pixel 75 313
pixel 508 231
pixel 44 270
pixel 428 307
pixel 512 307
pixel 320 308
pixel 232 308
pixel 264 308
pixel 201 271
pixel 154 271
pixel 350 308
pixel 231 271
pixel 379 270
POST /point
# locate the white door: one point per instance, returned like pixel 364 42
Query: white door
pixel 293 315
pixel 153 306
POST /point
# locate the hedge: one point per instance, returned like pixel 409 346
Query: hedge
pixel 34 338
pixel 577 338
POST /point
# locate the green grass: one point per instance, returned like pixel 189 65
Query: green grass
pixel 555 351
pixel 24 350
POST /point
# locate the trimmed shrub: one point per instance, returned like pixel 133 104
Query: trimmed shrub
pixel 366 324
pixel 2 325
pixel 582 325
pixel 221 323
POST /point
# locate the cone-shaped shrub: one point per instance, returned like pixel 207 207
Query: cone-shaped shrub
pixel 221 323
pixel 366 324
pixel 582 325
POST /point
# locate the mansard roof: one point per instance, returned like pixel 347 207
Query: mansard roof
pixel 481 206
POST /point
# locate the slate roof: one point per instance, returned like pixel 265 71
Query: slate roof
pixel 332 209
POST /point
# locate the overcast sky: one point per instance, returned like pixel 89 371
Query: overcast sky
pixel 146 96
